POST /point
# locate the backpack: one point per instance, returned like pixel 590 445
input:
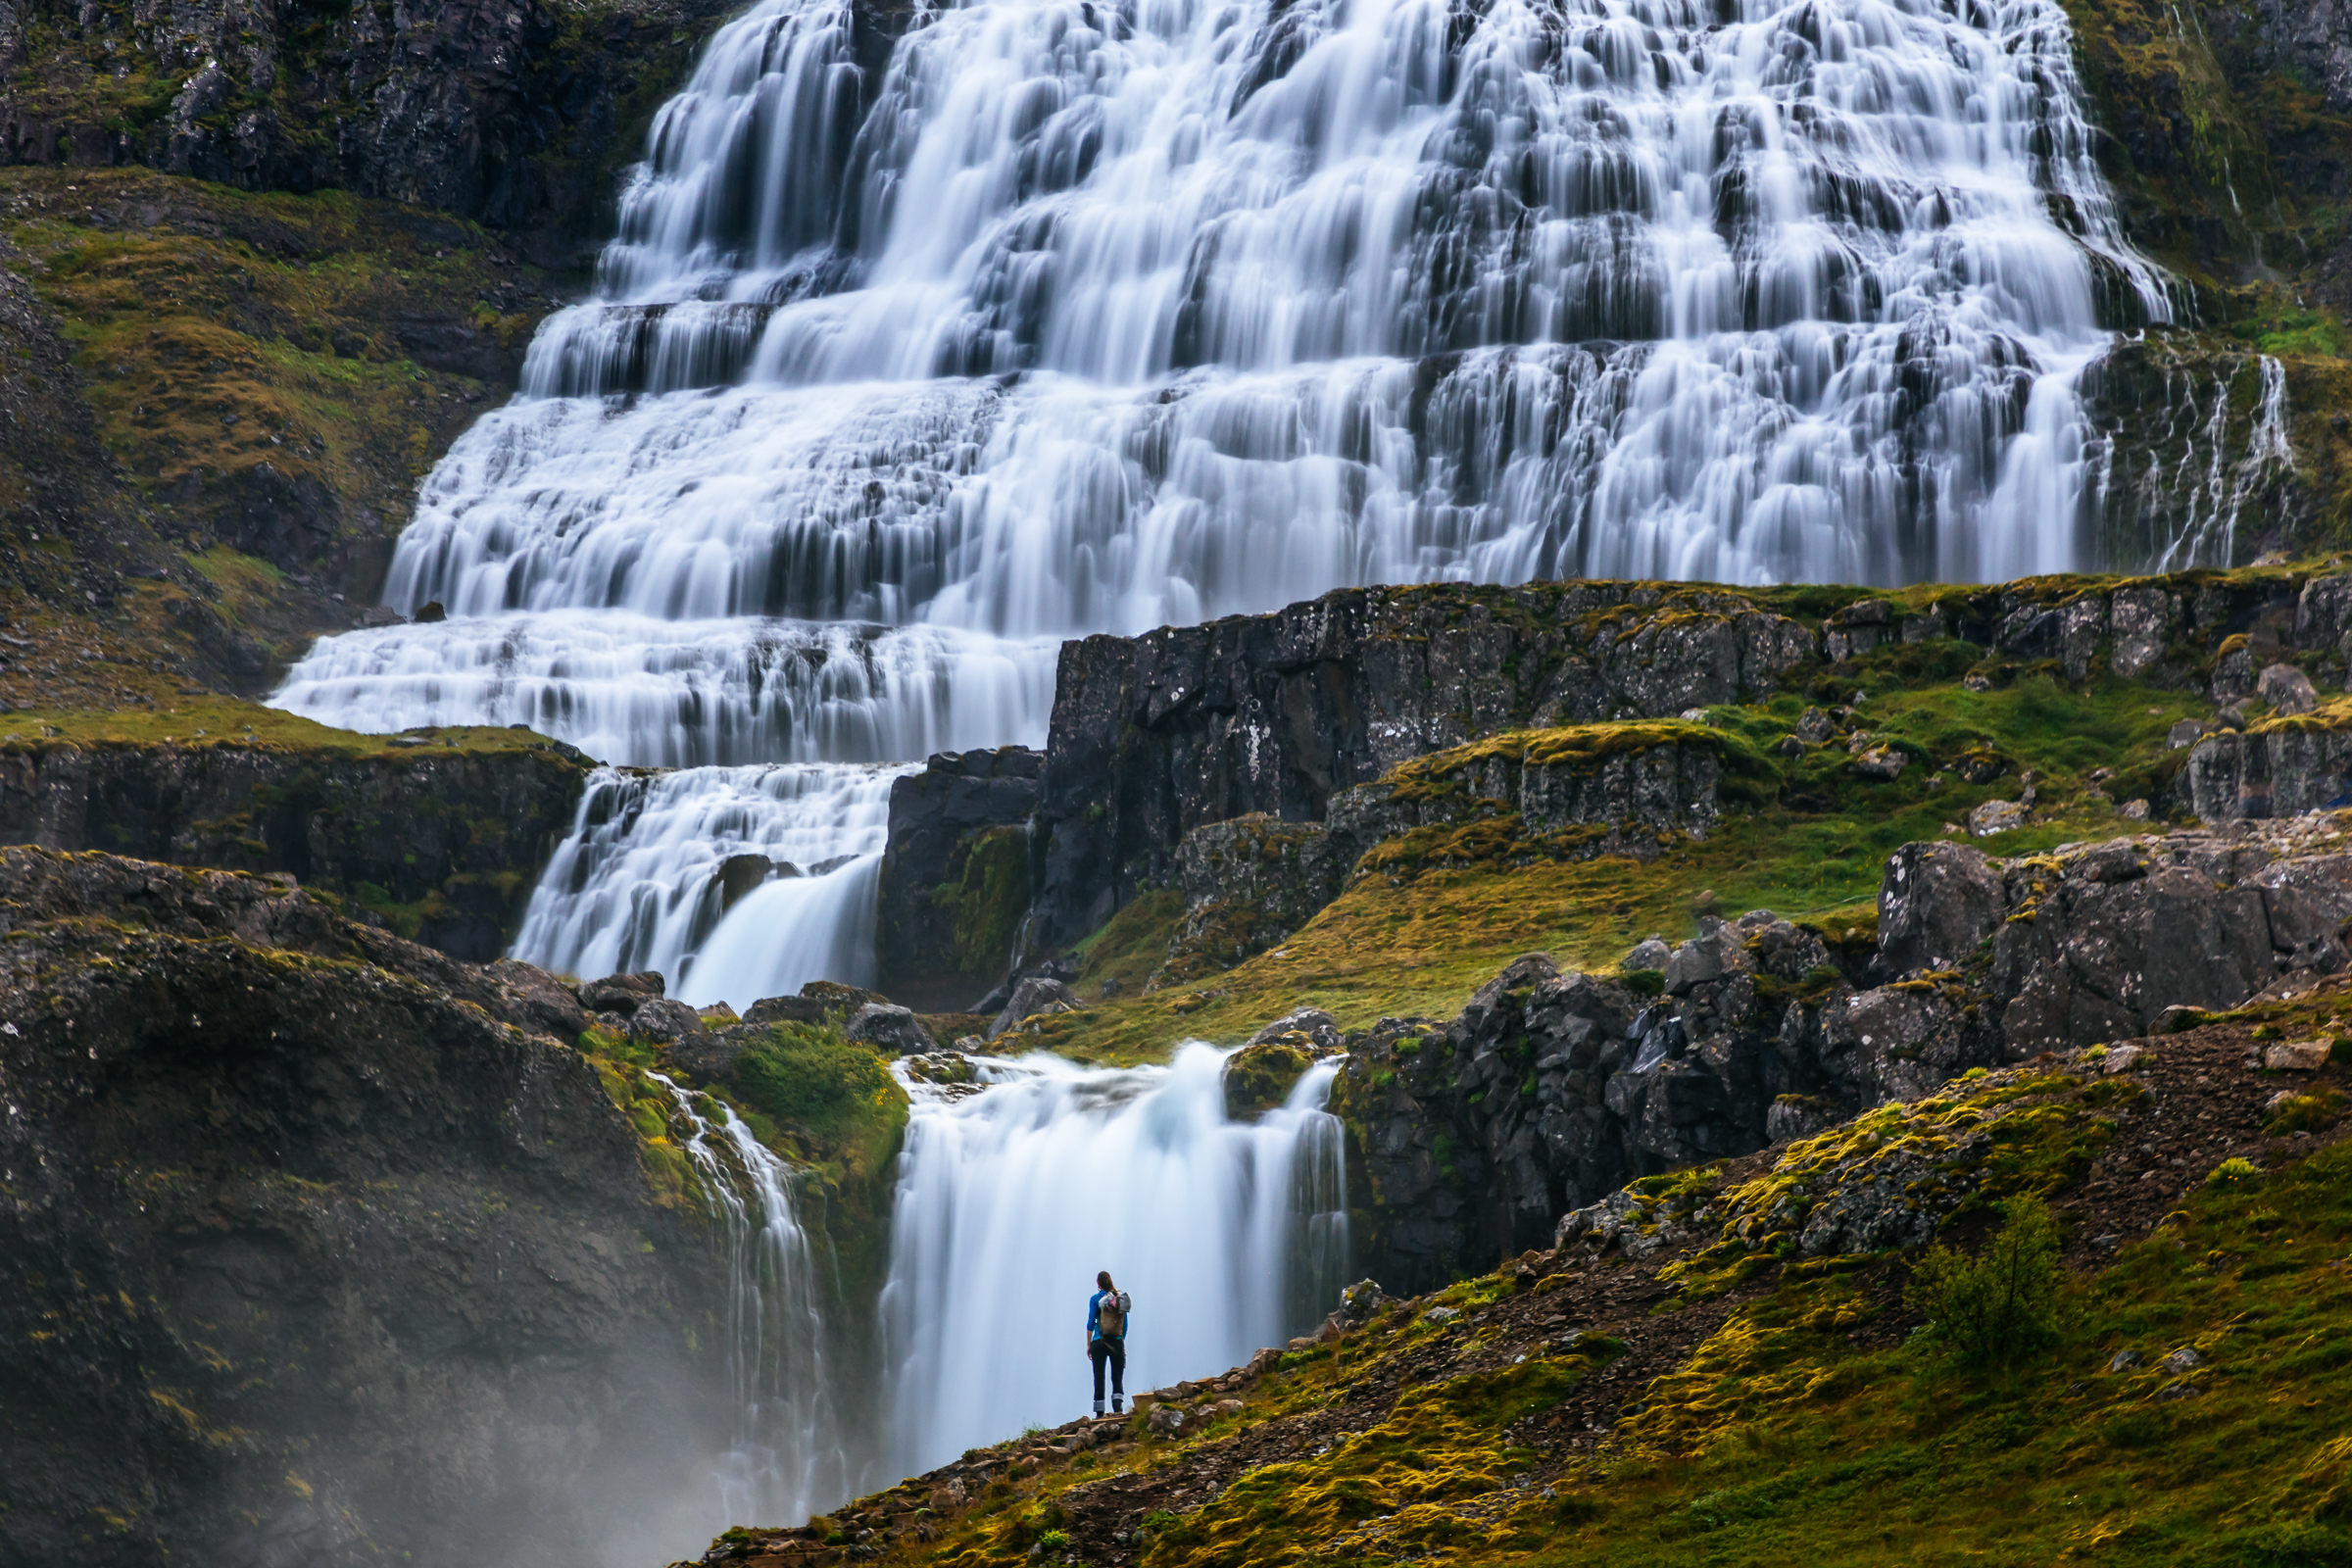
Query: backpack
pixel 1110 1315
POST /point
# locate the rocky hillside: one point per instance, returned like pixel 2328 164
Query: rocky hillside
pixel 1727 1363
pixel 316 1246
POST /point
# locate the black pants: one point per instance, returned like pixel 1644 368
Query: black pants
pixel 1113 1351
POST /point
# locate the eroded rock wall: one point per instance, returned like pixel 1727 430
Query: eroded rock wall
pixel 1469 1137
pixel 314 1248
pixel 441 843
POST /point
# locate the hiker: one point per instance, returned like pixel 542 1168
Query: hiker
pixel 1107 1341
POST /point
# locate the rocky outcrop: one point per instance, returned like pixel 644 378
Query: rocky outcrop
pixel 1153 736
pixel 1299 716
pixel 513 114
pixel 2276 769
pixel 1549 1091
pixel 316 1247
pixel 954 874
pixel 444 842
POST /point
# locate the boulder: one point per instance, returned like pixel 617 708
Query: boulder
pixel 2272 772
pixel 1032 997
pixel 785 1010
pixel 1318 1030
pixel 1935 903
pixel 2287 689
pixel 2297 1056
pixel 739 874
pixel 1260 1076
pixel 889 1029
pixel 539 997
pixel 1996 816
pixel 659 1021
pixel 621 993
pixel 954 874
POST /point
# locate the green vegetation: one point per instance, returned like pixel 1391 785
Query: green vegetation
pixel 818 1099
pixel 1433 914
pixel 1999 1308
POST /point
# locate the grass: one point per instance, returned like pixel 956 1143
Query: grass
pixel 1451 905
pixel 210 720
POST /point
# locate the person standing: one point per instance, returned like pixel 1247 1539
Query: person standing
pixel 1107 1341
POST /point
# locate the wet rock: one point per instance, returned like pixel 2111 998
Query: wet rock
pixel 1935 903
pixel 222 1092
pixel 889 1029
pixel 1032 997
pixel 622 993
pixel 2288 690
pixel 739 874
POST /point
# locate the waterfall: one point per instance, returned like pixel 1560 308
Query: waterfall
pixel 643 881
pixel 786 1457
pixel 1229 1236
pixel 1091 316
pixel 1078 316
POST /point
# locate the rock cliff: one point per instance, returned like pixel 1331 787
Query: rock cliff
pixel 956 874
pixel 1471 1136
pixel 315 1248
pixel 442 840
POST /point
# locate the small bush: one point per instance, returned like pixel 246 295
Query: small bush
pixel 1054 1540
pixel 2231 1171
pixel 2000 1307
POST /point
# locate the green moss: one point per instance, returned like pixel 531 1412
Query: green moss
pixel 985 895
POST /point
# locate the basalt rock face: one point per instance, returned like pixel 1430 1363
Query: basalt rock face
pixel 1471 1136
pixel 509 112
pixel 956 873
pixel 313 1250
pixel 1152 736
pixel 446 844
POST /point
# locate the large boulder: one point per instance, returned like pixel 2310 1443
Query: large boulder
pixel 892 1030
pixel 1935 903
pixel 622 993
pixel 954 878
pixel 1033 996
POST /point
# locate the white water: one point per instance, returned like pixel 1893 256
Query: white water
pixel 1094 318
pixel 636 886
pixel 786 1456
pixel 1229 1236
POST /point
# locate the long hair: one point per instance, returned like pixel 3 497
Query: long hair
pixel 1102 1278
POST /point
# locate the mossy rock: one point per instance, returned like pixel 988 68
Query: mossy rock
pixel 1259 1078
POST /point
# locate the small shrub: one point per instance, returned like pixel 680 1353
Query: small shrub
pixel 2231 1171
pixel 2314 1113
pixel 1054 1540
pixel 1646 982
pixel 2000 1307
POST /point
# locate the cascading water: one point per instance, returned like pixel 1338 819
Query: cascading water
pixel 642 883
pixel 1090 317
pixel 787 1455
pixel 1230 1235
pixel 1094 317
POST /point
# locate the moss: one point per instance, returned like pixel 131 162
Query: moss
pixel 1260 1077
pixel 984 896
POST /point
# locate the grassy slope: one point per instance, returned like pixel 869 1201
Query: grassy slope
pixel 1779 1411
pixel 1445 907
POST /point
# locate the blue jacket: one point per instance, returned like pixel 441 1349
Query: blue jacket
pixel 1093 1316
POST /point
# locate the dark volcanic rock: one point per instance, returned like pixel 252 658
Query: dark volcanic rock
pixel 1153 736
pixel 1033 996
pixel 287 1206
pixel 955 875
pixel 889 1029
pixel 622 993
pixel 454 839
pixel 1935 903
pixel 512 113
